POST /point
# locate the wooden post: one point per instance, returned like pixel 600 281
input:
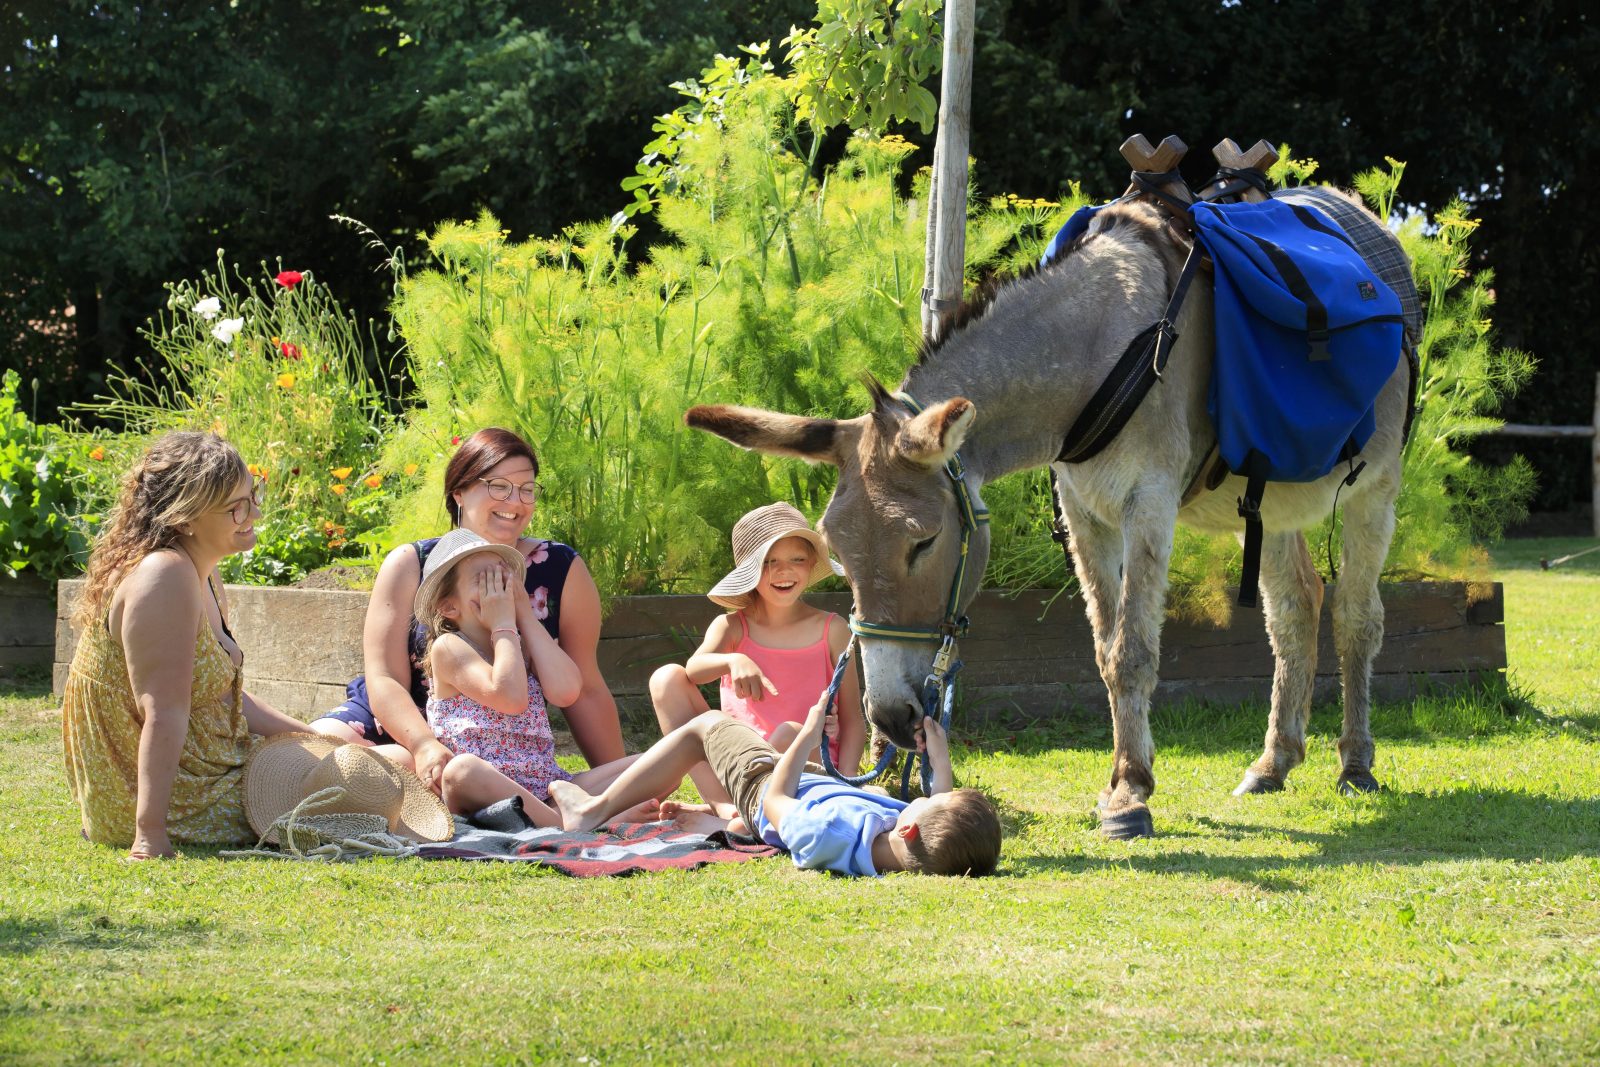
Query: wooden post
pixel 1594 453
pixel 947 206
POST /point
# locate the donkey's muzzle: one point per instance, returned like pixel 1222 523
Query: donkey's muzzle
pixel 898 720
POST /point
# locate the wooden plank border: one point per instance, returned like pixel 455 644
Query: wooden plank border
pixel 1027 657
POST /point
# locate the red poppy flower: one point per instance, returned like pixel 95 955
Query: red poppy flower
pixel 290 351
pixel 456 440
pixel 289 278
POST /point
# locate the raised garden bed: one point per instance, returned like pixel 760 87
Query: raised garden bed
pixel 302 645
pixel 27 622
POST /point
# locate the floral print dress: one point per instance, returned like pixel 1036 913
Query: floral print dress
pixel 521 747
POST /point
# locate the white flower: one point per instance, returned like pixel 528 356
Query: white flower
pixel 227 329
pixel 208 308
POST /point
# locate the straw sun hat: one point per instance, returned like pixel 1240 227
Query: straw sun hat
pixel 451 548
pixel 288 768
pixel 753 537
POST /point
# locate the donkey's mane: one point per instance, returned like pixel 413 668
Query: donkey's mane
pixel 1134 219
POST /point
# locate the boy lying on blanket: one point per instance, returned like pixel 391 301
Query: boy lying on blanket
pixel 823 823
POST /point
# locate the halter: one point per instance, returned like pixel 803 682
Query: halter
pixel 938 697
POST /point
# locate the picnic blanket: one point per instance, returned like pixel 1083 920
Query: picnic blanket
pixel 503 831
pixel 621 849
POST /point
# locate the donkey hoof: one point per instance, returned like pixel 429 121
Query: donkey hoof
pixel 1353 782
pixel 1132 821
pixel 1258 783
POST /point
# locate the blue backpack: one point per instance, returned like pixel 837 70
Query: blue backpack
pixel 1307 334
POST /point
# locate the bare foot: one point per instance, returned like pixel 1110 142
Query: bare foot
pixel 137 856
pixel 573 804
pixel 649 811
pixel 671 809
pixel 698 822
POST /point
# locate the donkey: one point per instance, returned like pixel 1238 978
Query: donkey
pixel 1002 386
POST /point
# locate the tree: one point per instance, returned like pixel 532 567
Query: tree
pixel 135 140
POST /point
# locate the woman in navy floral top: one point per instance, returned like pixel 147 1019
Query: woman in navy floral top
pixel 489 488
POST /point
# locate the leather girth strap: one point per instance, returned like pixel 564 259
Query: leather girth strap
pixel 1140 367
pixel 1255 475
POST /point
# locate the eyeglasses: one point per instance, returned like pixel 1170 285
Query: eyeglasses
pixel 500 489
pixel 239 510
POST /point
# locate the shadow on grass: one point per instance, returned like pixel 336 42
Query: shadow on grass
pixel 1197 727
pixel 1392 829
pixel 89 929
pixel 28 681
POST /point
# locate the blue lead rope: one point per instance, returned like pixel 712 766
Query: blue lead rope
pixel 938 698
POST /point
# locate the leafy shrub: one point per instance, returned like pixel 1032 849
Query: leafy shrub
pixel 37 473
pixel 769 289
pixel 277 367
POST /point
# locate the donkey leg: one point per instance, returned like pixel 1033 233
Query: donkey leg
pixel 1292 597
pixel 1097 559
pixel 1134 657
pixel 1358 628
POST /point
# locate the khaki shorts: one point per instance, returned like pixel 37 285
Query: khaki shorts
pixel 742 761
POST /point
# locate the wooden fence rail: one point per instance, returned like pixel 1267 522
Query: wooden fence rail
pixel 1592 431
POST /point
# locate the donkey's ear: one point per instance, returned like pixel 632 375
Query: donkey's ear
pixel 931 438
pixel 772 432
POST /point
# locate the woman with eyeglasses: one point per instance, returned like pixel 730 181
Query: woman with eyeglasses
pixel 490 488
pixel 156 724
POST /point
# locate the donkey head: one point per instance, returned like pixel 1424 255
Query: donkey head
pixel 894 522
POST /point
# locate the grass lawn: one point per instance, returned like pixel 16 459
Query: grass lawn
pixel 1453 919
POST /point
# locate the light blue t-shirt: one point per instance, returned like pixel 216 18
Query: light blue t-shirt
pixel 831 826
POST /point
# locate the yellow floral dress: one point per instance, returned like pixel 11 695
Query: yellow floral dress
pixel 100 727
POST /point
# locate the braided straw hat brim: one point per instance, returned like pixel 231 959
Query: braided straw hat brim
pixel 452 547
pixel 279 775
pixel 753 537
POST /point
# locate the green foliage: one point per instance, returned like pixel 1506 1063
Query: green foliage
pixel 864 63
pixel 1450 503
pixel 37 465
pixel 279 372
pixel 770 289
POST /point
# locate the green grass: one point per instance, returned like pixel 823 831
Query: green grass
pixel 1453 919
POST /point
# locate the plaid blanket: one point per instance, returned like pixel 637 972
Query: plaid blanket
pixel 621 849
pixel 1375 243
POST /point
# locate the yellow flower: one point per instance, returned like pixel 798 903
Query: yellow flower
pixel 338 490
pixel 286 381
pixel 411 468
pixel 342 473
pixel 373 481
pixel 97 454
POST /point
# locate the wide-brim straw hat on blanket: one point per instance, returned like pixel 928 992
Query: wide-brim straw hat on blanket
pixel 286 769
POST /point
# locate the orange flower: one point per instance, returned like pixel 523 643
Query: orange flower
pixel 411 468
pixel 373 481
pixel 338 490
pixel 97 454
pixel 342 473
pixel 257 471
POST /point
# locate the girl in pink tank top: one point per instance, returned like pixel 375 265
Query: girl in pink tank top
pixel 798 674
pixel 773 652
